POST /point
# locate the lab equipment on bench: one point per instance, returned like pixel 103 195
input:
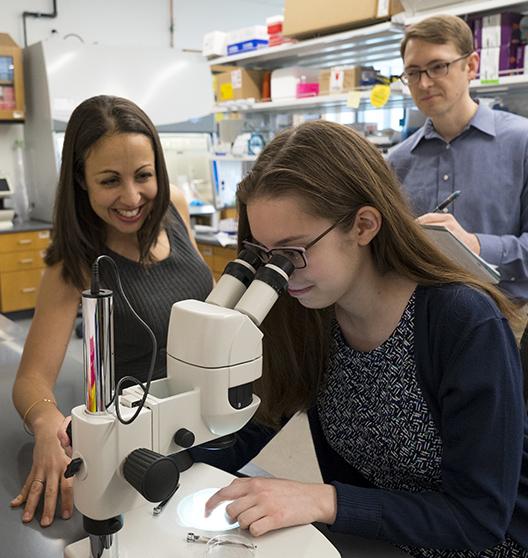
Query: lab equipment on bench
pixel 121 442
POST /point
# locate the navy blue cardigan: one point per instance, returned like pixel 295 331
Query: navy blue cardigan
pixel 469 371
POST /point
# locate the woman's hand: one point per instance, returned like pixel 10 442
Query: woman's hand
pixel 262 505
pixel 46 479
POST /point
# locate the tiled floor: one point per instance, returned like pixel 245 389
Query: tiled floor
pixel 289 455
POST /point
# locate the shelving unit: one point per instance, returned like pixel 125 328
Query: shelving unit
pixel 12 82
pixel 400 97
pixel 363 46
pixel 319 101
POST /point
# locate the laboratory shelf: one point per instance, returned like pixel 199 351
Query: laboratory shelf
pixel 509 84
pixel 363 46
pixel 318 101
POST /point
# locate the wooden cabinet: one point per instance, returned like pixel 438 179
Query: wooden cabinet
pixel 217 257
pixel 11 81
pixel 21 267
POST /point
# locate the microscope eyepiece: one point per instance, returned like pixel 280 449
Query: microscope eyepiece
pixel 250 257
pixel 270 281
pixel 235 279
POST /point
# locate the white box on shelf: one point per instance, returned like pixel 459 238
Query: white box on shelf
pixel 284 81
pixel 214 44
pixel 246 39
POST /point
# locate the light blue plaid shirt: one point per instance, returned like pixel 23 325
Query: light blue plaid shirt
pixel 488 163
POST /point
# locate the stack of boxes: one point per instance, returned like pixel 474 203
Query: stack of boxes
pixel 497 39
pixel 274 26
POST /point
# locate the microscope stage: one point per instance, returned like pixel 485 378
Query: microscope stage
pixel 164 535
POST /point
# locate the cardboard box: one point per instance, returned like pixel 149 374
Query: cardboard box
pixel 496 30
pixel 238 84
pixel 320 17
pixel 333 81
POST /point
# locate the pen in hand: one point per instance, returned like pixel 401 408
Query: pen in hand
pixel 442 205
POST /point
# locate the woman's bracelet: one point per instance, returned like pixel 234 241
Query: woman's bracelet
pixel 45 400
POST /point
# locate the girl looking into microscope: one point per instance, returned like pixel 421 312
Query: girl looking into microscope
pixel 406 364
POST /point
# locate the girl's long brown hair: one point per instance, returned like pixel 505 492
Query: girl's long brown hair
pixel 78 233
pixel 331 169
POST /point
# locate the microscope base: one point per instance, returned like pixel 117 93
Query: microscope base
pixel 164 535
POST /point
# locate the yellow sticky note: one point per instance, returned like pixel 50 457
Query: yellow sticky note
pixel 218 117
pixel 380 95
pixel 353 99
pixel 226 91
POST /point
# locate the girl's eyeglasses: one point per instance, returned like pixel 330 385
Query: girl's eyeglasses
pixel 296 254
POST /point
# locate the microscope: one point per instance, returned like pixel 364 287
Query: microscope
pixel 124 444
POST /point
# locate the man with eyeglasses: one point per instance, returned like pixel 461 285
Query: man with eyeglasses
pixel 464 146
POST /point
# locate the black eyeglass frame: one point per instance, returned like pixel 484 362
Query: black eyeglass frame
pixel 265 254
pixel 406 81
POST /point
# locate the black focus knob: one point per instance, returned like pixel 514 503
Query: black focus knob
pixel 74 466
pixel 153 475
pixel 184 438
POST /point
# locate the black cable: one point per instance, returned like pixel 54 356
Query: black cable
pixel 50 15
pixel 146 388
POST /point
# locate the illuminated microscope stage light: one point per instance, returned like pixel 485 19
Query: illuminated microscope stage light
pixel 191 512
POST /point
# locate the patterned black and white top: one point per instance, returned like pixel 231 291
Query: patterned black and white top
pixel 374 415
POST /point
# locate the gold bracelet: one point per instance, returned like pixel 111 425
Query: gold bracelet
pixel 45 400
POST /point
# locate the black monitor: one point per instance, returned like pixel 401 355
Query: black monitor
pixel 5 189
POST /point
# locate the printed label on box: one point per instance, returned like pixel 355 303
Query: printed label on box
pixel 491 31
pixel 383 8
pixel 236 79
pixel 337 78
pixel 489 65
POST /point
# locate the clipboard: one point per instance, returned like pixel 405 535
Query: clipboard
pixel 457 251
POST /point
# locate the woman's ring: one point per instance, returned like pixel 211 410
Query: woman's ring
pixel 39 480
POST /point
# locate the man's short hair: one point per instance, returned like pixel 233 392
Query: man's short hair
pixel 441 30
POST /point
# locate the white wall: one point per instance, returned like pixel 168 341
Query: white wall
pixel 122 22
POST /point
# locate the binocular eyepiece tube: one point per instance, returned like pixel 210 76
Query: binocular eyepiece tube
pixel 236 278
pixel 270 281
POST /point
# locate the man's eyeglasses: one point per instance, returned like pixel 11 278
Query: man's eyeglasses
pixel 296 254
pixel 435 70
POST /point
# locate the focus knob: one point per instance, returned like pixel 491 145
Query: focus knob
pixel 153 475
pixel 184 438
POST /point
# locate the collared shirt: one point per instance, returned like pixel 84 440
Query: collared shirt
pixel 488 163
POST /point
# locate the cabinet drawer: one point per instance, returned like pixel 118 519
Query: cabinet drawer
pixel 23 241
pixel 221 257
pixel 207 253
pixel 18 289
pixel 18 261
